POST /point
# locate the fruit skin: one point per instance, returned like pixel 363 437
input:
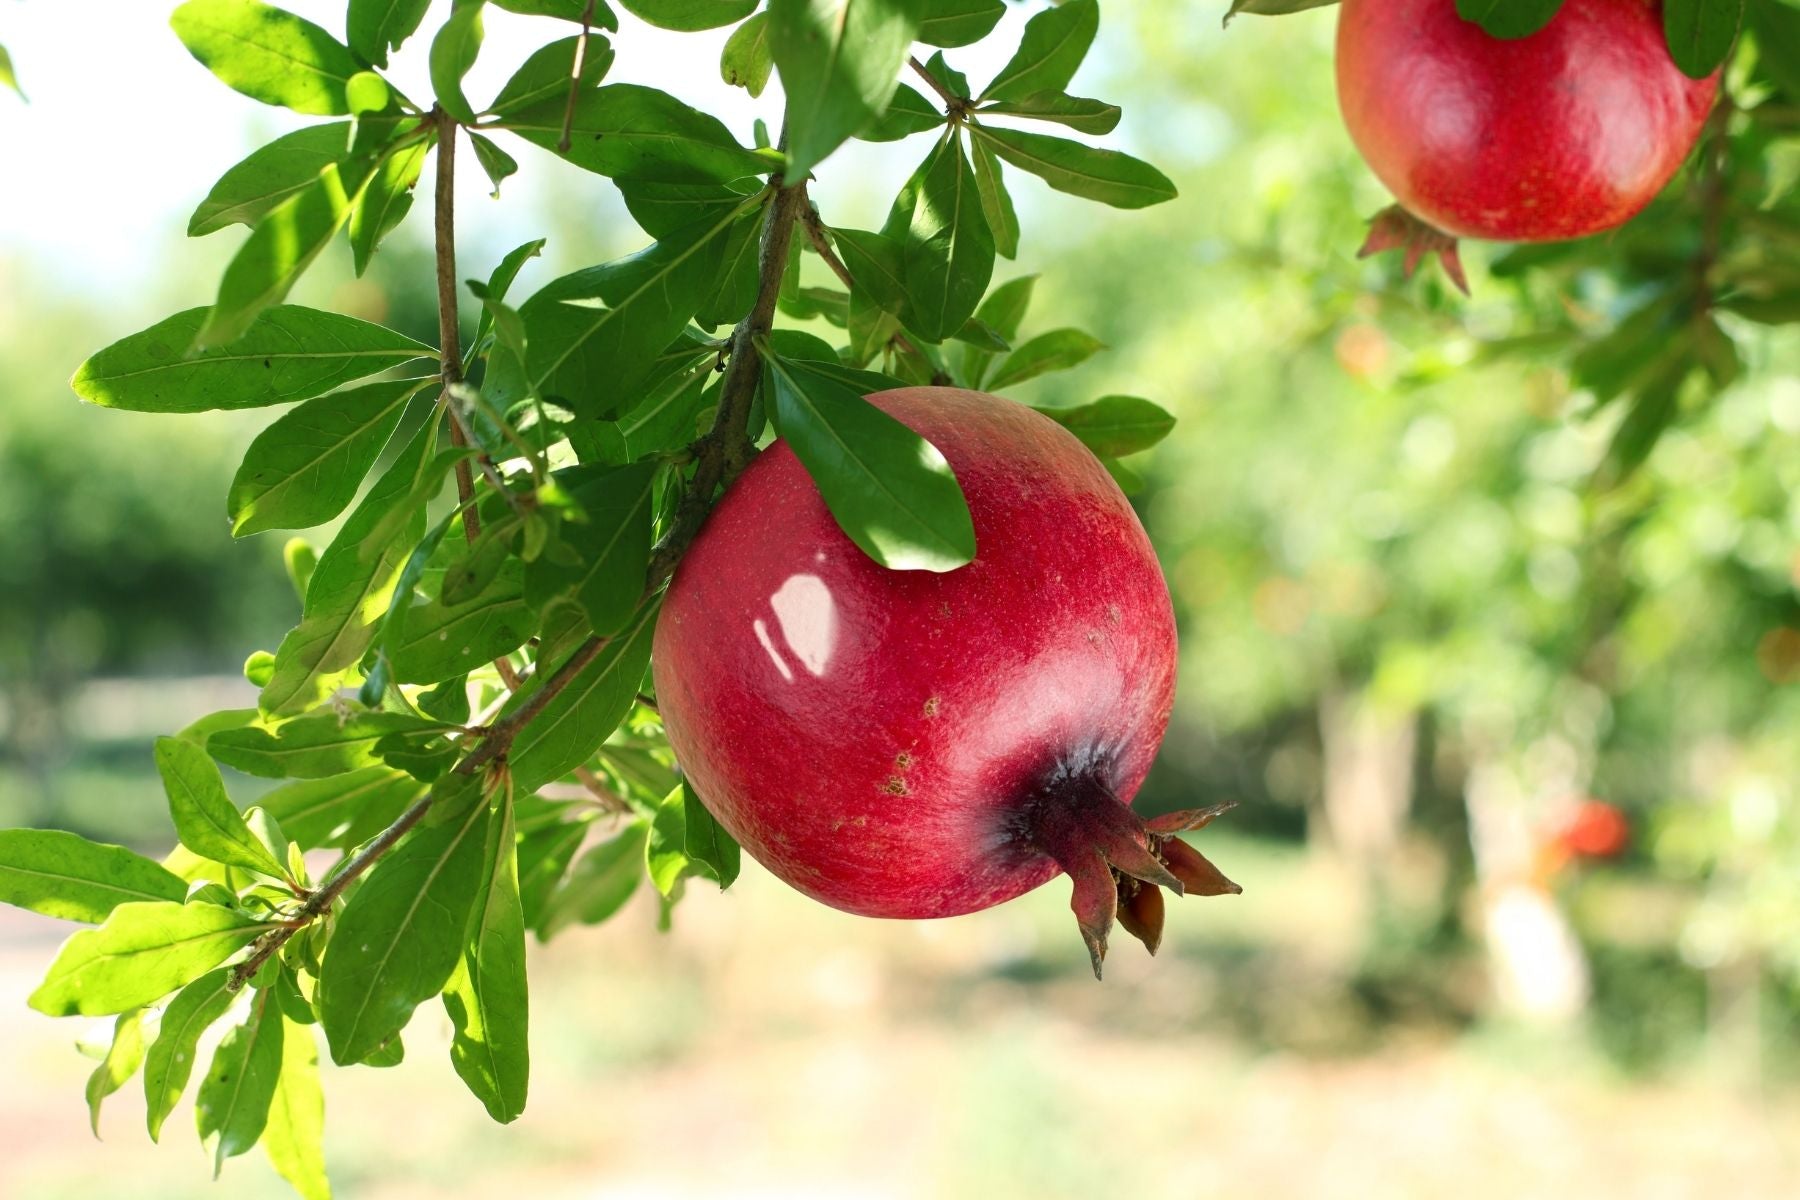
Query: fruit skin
pixel 1564 133
pixel 877 738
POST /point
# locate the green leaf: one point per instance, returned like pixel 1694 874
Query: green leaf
pixel 705 840
pixel 205 819
pixel 170 1061
pixel 486 996
pixel 377 26
pixel 350 588
pixel 280 247
pixel 1700 32
pixel 572 726
pixel 545 77
pixel 64 875
pixel 438 639
pixel 302 470
pixel 747 61
pixel 840 62
pixel 568 10
pixel 947 250
pixel 955 23
pixel 996 203
pixel 294 1136
pixel 874 262
pixel 453 52
pixel 1058 350
pixel 270 175
pixel 268 54
pixel 232 1108
pixel 890 490
pixel 1508 18
pixel 400 935
pixel 288 353
pixel 907 113
pixel 1273 8
pixel 1055 42
pixel 1114 426
pixel 122 1060
pixel 664 420
pixel 385 201
pixel 610 551
pixel 8 77
pixel 938 68
pixel 1129 481
pixel 600 883
pixel 1104 175
pixel 142 953
pixel 312 747
pixel 543 861
pixel 1077 112
pixel 1777 29
pixel 341 810
pixel 688 16
pixel 633 132
pixel 665 854
pixel 592 336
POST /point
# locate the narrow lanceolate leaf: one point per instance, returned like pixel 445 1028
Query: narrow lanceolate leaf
pixel 1104 175
pixel 665 855
pixel 268 54
pixel 486 996
pixel 64 875
pixel 142 953
pixel 1057 350
pixel 746 61
pixel 1055 42
pixel 1079 113
pixel 232 1107
pixel 312 747
pixel 288 353
pixel 599 884
pixel 610 551
pixel 436 640
pixel 1507 18
pixel 270 175
pixel 401 935
pixel 594 335
pixel 907 113
pixel 341 810
pixel 8 77
pixel 544 858
pixel 1113 426
pixel 958 22
pixel 294 1135
pixel 1272 8
pixel 170 1063
pixel 996 202
pixel 568 10
pixel 633 132
pixel 377 26
pixel 206 821
pixel 840 61
pixel 705 840
pixel 947 250
pixel 349 590
pixel 386 200
pixel 572 726
pixel 545 76
pixel 302 470
pixel 1700 32
pixel 688 16
pixel 453 52
pixel 120 1064
pixel 890 490
pixel 280 248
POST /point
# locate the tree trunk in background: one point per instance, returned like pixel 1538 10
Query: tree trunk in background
pixel 1539 970
pixel 1368 776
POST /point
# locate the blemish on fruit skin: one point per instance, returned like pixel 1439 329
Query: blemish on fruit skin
pixel 932 705
pixel 902 761
pixel 1113 614
pixel 895 786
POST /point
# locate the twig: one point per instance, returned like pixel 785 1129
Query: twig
pixel 604 796
pixel 955 105
pixel 821 243
pixel 568 125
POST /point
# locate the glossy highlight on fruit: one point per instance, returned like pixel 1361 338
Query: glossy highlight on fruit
pixel 911 744
pixel 1563 133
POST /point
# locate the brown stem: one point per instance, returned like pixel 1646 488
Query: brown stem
pixel 957 105
pixel 449 340
pixel 604 796
pixel 821 244
pixel 568 125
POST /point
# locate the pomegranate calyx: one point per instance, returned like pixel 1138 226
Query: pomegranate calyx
pixel 1118 862
pixel 1393 228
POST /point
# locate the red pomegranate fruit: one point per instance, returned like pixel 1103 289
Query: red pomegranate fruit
pixel 1563 133
pixel 910 744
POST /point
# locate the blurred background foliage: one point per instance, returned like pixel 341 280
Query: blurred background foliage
pixel 1424 626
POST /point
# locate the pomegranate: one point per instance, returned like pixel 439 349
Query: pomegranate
pixel 1563 133
pixel 909 744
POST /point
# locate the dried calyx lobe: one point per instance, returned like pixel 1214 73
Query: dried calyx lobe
pixel 1119 861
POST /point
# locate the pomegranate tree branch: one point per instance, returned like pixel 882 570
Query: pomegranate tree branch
pixel 821 244
pixel 955 104
pixel 581 47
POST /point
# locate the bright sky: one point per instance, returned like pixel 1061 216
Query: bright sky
pixel 125 132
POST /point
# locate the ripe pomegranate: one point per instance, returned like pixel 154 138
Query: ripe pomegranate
pixel 910 744
pixel 1563 133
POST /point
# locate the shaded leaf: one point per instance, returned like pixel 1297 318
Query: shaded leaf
pixel 1057 350
pixel 958 22
pixel 386 200
pixel 1113 426
pixel 600 883
pixel 1087 116
pixel 294 1135
pixel 1104 175
pixel 312 747
pixel 487 996
pixel 633 132
pixel 170 1061
pixel 377 26
pixel 1055 42
pixel 1699 32
pixel 232 1107
pixel 840 62
pixel 572 725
